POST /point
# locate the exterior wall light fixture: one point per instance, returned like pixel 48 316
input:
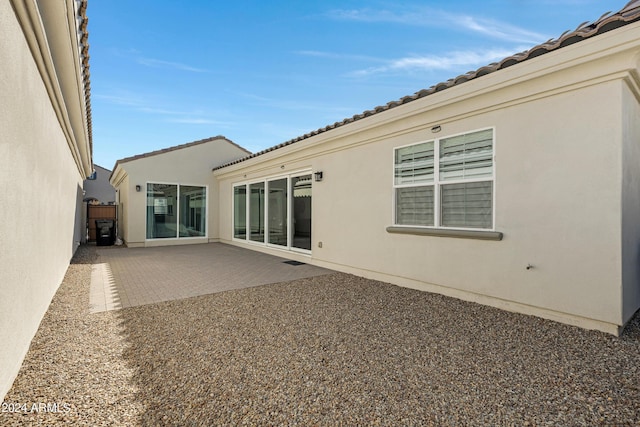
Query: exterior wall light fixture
pixel 318 176
pixel 436 129
pixel 138 188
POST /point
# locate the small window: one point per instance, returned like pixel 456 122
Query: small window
pixel 454 192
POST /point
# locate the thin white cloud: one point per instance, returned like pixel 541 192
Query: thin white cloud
pixel 136 55
pixel 120 99
pixel 333 55
pixel 499 30
pixel 449 61
pixel 378 15
pixel 199 121
pixel 287 104
pixel 428 17
pixel 158 63
pixel 145 105
pixel 171 112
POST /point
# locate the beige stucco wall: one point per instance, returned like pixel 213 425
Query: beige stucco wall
pixel 122 200
pixel 41 186
pixel 630 202
pixel 558 192
pixel 187 166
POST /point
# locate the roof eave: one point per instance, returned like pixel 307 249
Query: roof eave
pixel 56 49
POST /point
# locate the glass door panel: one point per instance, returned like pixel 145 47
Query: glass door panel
pixel 256 212
pixel 193 204
pixel 301 215
pixel 278 212
pixel 240 212
pixel 161 211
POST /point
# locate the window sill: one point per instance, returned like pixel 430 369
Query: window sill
pixel 441 232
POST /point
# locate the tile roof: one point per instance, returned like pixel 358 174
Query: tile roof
pixel 174 148
pixel 83 41
pixel 609 21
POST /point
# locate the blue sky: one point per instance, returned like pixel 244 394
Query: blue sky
pixel 261 72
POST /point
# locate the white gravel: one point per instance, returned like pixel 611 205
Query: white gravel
pixel 328 350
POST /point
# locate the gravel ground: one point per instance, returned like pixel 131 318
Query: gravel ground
pixel 329 350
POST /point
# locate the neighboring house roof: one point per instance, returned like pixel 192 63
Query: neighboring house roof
pixel 101 167
pixel 174 148
pixel 607 22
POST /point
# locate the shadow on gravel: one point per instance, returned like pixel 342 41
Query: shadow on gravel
pixel 85 254
pixel 338 349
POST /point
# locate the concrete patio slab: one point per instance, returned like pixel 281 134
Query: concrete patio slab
pixel 129 277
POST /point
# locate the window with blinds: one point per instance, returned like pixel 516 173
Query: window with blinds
pixel 456 191
pixel 414 205
pixel 414 164
pixel 467 156
pixel 467 205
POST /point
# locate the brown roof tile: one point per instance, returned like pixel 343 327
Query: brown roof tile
pixel 82 23
pixel 607 22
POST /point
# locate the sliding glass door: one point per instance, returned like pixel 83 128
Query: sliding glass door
pixel 176 211
pixel 274 212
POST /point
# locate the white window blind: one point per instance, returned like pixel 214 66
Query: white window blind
pixel 455 192
pixel 414 164
pixel 467 205
pixel 467 156
pixel 414 205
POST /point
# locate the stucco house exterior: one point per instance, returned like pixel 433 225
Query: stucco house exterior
pixel 168 197
pixel 45 117
pixel 516 185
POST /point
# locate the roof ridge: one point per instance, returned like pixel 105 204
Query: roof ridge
pixel 176 147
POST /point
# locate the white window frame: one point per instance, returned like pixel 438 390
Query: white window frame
pixel 178 185
pixel 288 247
pixel 437 183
